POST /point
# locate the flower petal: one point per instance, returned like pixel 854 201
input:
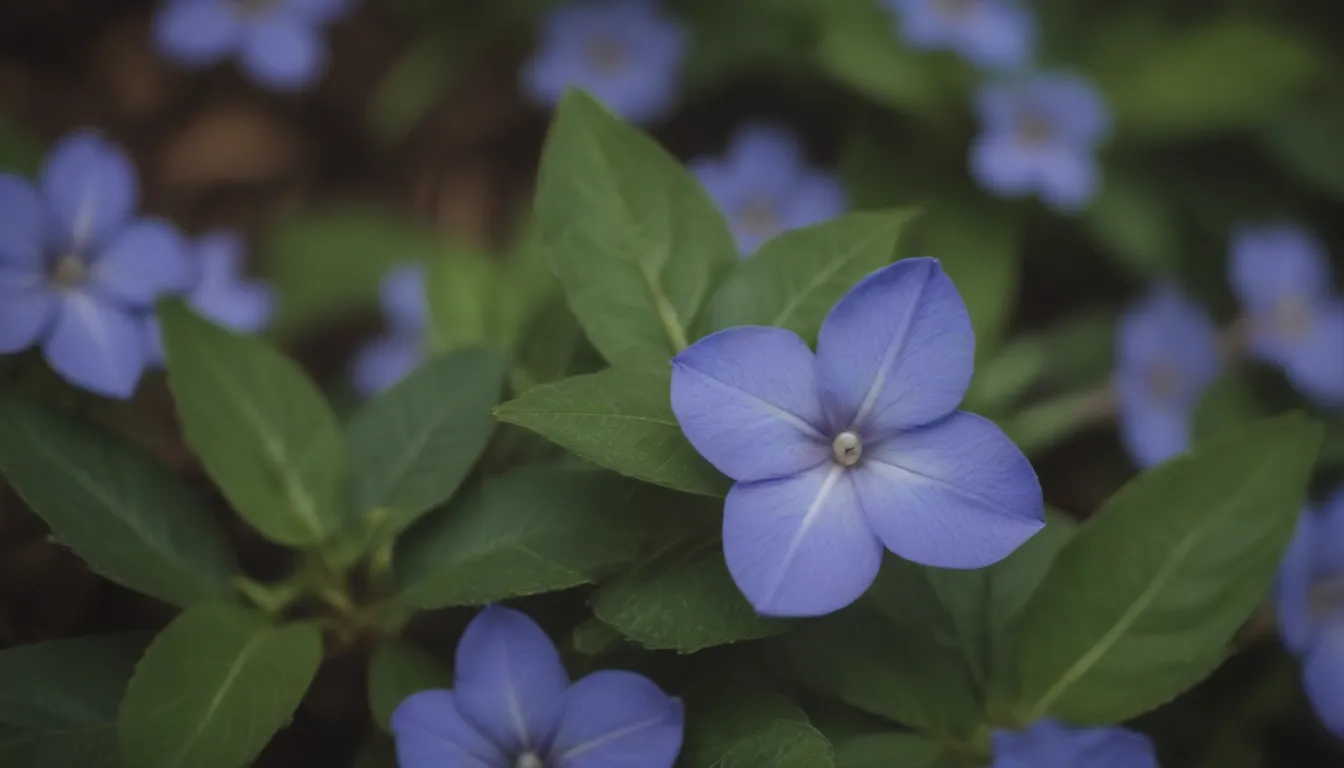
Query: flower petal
pixel 997 36
pixel 1000 164
pixel 615 719
pixel 1068 178
pixel 1050 743
pixel 283 52
pixel 319 11
pixel 385 361
pixel 1292 588
pixel 141 263
pixel 897 351
pixel 1153 433
pixel 814 198
pixel 1270 263
pixel 21 220
pixel 222 293
pixel 431 733
pixel 768 154
pixel 97 345
pixel 402 296
pixel 800 546
pixel 747 400
pixel 1323 677
pixel 1315 362
pixel 955 494
pixel 196 33
pixel 90 186
pixel 27 308
pixel 510 683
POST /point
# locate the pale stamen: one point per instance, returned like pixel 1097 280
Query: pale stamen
pixel 847 448
pixel 69 272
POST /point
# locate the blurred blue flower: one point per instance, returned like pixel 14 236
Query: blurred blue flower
pixel 1050 744
pixel 78 270
pixel 278 42
pixel 991 34
pixel 1282 276
pixel 219 291
pixel 1039 135
pixel 764 186
pixel 390 357
pixel 1310 601
pixel 1166 355
pixel 623 52
pixel 858 446
pixel 513 706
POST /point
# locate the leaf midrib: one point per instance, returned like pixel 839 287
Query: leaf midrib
pixel 234 670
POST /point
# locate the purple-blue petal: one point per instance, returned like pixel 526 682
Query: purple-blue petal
pixel 27 308
pixel 1314 363
pixel 1153 432
pixel 1050 744
pixel 97 345
pixel 90 187
pixel 999 35
pixel 955 494
pixel 768 154
pixel 1071 104
pixel 283 52
pixel 1292 590
pixel 222 293
pixel 142 262
pixel 430 732
pixel 746 398
pixel 800 545
pixel 197 32
pixel 617 719
pixel 509 683
pixel 385 361
pixel 1268 264
pixel 1323 676
pixel 814 197
pixel 1000 164
pixel 402 297
pixel 319 11
pixel 1166 353
pixel 22 217
pixel 896 352
pixel 1068 178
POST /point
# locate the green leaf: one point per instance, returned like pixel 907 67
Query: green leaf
pixel 1306 141
pixel 889 750
pixel 718 720
pixel 622 420
pixel 793 281
pixel 469 301
pixel 214 687
pixel 1142 603
pixel 681 602
pixel 547 347
pixel 1228 73
pixel 413 445
pixel 533 530
pixel 261 428
pixel 786 744
pixel 128 517
pixel 905 676
pixel 1139 227
pixel 20 149
pixel 351 248
pixel 594 638
pixel 58 700
pixel 636 243
pixel 397 670
pixel 420 79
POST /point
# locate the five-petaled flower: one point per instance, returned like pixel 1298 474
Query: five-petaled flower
pixel 1039 135
pixel 1051 744
pixel 513 706
pixel 390 357
pixel 1310 601
pixel 219 291
pixel 992 34
pixel 764 186
pixel 1295 320
pixel 860 445
pixel 78 270
pixel 1166 356
pixel 278 42
pixel 623 52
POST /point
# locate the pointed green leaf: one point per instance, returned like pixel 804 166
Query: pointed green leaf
pixel 532 530
pixel 58 700
pixel 786 744
pixel 128 517
pixel 619 419
pixel 214 687
pixel 890 750
pixel 636 243
pixel 718 720
pixel 397 670
pixel 260 427
pixel 1144 600
pixel 413 445
pixel 793 281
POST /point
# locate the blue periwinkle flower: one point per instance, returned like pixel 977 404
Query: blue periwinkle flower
pixel 1282 276
pixel 1310 601
pixel 1166 356
pixel 279 43
pixel 512 706
pixel 78 270
pixel 1050 744
pixel 764 186
pixel 623 52
pixel 390 357
pixel 1039 136
pixel 992 34
pixel 219 291
pixel 858 446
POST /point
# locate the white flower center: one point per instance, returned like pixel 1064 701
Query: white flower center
pixel 847 448
pixel 68 272
pixel 606 54
pixel 529 760
pixel 1034 129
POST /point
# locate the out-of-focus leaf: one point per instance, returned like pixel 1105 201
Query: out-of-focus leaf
pixel 1138 227
pixel 20 151
pixel 1306 140
pixel 420 78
